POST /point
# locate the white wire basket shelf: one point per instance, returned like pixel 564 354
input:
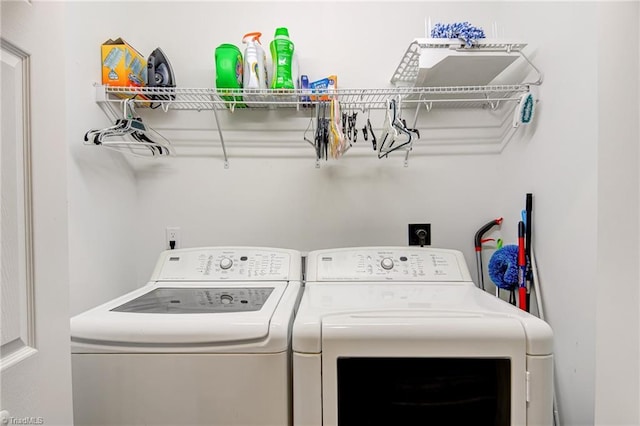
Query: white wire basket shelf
pixel 432 62
pixel 377 98
pixel 113 99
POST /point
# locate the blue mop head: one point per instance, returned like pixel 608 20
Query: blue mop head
pixel 503 267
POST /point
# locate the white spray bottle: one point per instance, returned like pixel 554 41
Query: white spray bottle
pixel 255 63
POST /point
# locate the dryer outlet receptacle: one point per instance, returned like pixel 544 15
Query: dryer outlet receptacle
pixel 419 234
pixel 172 234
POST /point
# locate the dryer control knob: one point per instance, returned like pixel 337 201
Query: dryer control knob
pixel 387 263
pixel 226 263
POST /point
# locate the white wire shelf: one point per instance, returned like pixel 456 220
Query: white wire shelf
pixel 231 99
pixel 432 74
pixel 112 99
pixel 429 62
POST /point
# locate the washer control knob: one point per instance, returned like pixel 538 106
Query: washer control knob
pixel 226 263
pixel 226 299
pixel 387 263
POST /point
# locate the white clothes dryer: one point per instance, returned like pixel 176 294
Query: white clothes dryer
pixel 206 342
pixel 402 336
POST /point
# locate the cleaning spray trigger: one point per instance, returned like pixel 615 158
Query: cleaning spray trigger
pixel 255 36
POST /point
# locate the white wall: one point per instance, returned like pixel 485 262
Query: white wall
pixel 559 166
pixel 273 195
pixel 617 352
pixel 389 189
pixel 102 185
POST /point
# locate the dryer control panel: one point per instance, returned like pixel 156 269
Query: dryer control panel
pixel 228 264
pixel 387 264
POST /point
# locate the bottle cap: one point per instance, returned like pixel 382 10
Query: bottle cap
pixel 282 31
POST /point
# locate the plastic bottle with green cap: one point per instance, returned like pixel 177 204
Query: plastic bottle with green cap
pixel 282 55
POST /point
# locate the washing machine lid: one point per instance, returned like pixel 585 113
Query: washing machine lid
pixel 386 308
pixel 191 313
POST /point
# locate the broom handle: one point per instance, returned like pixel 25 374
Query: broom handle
pixel 538 290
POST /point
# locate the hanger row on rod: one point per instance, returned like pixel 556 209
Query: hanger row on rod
pixel 336 130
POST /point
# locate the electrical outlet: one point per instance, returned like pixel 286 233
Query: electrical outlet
pixel 419 234
pixel 173 234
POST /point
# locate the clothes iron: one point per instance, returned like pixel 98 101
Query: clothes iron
pixel 160 74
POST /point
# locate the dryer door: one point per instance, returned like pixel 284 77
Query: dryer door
pixel 410 368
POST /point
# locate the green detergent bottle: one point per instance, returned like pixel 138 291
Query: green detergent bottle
pixel 229 71
pixel 283 57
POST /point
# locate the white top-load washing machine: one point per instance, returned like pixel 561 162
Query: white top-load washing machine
pixel 402 336
pixel 206 342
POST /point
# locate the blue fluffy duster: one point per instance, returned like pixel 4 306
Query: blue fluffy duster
pixel 503 267
pixel 462 30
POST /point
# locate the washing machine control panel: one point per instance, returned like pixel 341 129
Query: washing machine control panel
pixel 224 264
pixel 388 265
